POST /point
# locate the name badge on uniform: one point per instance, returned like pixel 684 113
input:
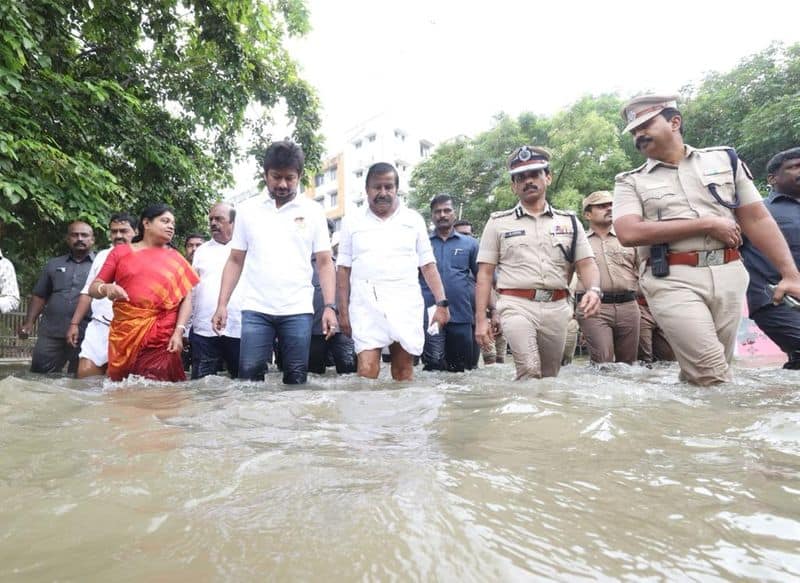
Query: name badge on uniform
pixel 300 222
pixel 517 233
pixel 561 230
pixel 715 171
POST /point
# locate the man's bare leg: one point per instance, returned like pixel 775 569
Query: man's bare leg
pixel 369 363
pixel 402 363
pixel 86 368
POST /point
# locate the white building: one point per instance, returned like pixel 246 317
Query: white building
pixel 341 182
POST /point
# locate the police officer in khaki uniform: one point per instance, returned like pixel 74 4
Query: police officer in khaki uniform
pixel 697 202
pixel 534 249
pixel 612 335
pixel 653 345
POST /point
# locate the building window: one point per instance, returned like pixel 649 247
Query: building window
pixel 359 173
pixel 334 199
pixel 330 173
pixel 424 149
pixel 357 144
pixel 400 135
pixel 371 138
pixel 318 179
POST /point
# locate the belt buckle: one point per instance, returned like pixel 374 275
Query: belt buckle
pixel 543 295
pixel 711 258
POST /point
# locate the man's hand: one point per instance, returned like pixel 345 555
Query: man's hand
pixel 220 319
pixel 24 331
pixel 441 316
pixel 484 334
pixel 788 285
pixel 72 335
pixel 329 323
pixel 590 303
pixel 725 230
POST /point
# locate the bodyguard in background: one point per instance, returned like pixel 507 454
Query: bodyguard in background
pixel 453 348
pixel 56 294
pixel 780 322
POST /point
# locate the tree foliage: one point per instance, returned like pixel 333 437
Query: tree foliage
pixel 754 108
pixel 584 141
pixel 108 105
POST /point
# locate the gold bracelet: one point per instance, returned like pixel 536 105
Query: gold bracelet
pixel 100 289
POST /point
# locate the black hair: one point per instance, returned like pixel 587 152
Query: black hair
pixel 440 199
pixel 150 213
pixel 382 168
pixel 123 217
pixel 284 154
pixel 193 236
pixel 778 159
pixel 462 223
pixel 670 112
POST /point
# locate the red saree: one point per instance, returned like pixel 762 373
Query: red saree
pixel 157 280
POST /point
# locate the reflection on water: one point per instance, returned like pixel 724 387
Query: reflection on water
pixel 621 473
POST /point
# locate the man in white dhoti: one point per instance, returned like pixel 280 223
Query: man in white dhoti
pixel 381 249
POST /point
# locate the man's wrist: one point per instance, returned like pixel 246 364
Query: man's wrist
pixel 596 289
pixel 333 307
pixel 443 303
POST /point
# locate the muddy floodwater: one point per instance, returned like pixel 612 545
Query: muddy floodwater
pixel 619 474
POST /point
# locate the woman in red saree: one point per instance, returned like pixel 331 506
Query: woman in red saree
pixel 152 295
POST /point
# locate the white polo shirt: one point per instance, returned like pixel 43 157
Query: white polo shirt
pixel 103 308
pixel 209 261
pixel 384 250
pixel 277 273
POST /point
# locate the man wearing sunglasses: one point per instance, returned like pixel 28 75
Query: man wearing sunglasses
pixel 534 248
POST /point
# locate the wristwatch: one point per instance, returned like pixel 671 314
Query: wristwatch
pixel 596 290
pixel 333 307
pixel 443 303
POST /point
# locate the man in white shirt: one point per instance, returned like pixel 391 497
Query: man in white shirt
pixel 381 249
pixel 93 357
pixel 272 242
pixel 212 349
pixel 9 289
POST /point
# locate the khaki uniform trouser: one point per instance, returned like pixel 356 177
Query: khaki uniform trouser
pixel 572 341
pixel 613 333
pixel 536 332
pixel 496 349
pixel 699 309
pixel 653 345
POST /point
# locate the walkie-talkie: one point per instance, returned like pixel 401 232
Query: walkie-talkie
pixel 659 265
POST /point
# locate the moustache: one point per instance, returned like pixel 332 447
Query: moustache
pixel 531 187
pixel 641 141
pixel 118 240
pixel 383 198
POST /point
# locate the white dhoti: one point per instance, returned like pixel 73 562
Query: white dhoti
pixel 95 343
pixel 382 313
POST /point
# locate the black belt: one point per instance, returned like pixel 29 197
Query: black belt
pixel 613 297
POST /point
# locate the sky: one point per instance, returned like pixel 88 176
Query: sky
pixel 446 67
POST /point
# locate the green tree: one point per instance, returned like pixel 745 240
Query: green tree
pixel 585 141
pixel 755 107
pixel 116 104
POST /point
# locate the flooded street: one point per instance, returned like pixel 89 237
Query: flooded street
pixel 615 474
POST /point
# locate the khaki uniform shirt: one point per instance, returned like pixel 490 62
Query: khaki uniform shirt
pixel 659 191
pixel 529 250
pixel 618 265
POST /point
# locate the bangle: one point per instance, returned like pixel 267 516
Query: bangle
pixel 100 289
